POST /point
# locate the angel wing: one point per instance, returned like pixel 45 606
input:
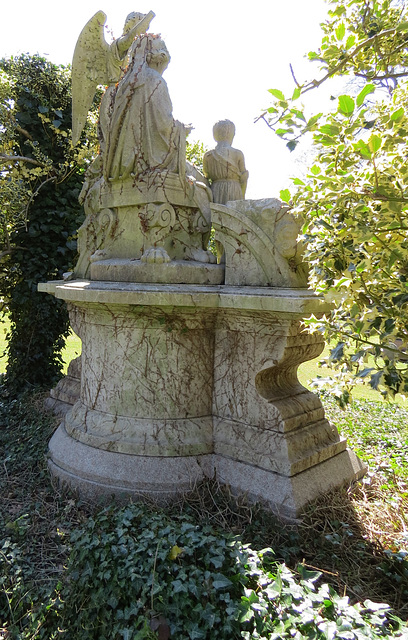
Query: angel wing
pixel 89 68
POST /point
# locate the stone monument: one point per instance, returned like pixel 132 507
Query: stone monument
pixel 188 367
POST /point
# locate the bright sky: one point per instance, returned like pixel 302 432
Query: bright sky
pixel 225 55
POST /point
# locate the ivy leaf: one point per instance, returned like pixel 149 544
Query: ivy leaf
pixel 175 551
pixel 221 582
pixel 346 105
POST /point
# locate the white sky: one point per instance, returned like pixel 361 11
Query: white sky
pixel 225 56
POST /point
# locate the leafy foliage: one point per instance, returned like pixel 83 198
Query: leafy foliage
pixel 199 569
pixel 40 180
pixel 195 152
pixel 355 197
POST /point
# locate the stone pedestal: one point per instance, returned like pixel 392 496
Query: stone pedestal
pixel 183 381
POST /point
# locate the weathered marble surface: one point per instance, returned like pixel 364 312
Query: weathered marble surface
pixel 67 391
pixel 143 201
pixel 176 271
pixel 225 166
pixel 97 62
pixel 301 302
pixel 204 374
pixel 260 241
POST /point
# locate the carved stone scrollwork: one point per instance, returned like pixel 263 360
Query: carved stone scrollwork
pixel 157 222
pixel 162 216
pixel 97 231
pixel 106 220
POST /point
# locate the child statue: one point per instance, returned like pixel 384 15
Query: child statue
pixel 225 166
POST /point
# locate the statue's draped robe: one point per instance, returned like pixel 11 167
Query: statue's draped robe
pixel 141 135
pixel 224 168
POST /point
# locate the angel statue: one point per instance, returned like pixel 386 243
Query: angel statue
pixel 143 201
pixel 96 62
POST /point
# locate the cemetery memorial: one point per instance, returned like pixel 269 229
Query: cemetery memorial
pixel 189 361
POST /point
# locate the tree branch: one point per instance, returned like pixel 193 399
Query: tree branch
pixel 24 132
pixel 7 158
pixel 313 84
pixel 294 77
pixel 385 76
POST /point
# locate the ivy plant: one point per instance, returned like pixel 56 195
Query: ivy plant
pixel 40 180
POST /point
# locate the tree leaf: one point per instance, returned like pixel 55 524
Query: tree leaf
pixel 312 121
pixel 397 115
pixel 277 94
pixel 374 143
pixel 369 88
pixel 330 129
pixel 363 148
pixel 296 94
pixel 350 41
pixel 375 379
pixel 292 144
pixel 340 31
pixel 346 105
pixel 285 195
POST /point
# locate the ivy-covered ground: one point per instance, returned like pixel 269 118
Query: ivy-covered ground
pixel 209 567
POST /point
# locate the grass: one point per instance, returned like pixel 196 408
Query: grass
pixel 71 351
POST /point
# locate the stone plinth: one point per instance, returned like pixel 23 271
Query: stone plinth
pixel 184 381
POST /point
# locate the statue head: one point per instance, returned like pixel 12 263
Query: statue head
pixel 131 20
pixel 157 56
pixel 224 131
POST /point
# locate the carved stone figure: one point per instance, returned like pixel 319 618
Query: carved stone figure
pixel 141 134
pixel 143 205
pixel 96 62
pixel 225 166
